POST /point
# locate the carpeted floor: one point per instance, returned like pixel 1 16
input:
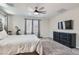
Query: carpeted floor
pixel 51 47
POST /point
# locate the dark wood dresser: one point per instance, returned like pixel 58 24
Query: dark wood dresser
pixel 67 39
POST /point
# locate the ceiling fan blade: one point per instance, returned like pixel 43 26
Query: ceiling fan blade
pixel 43 12
pixel 41 8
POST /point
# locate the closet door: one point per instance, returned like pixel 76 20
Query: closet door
pixel 35 27
pixel 29 26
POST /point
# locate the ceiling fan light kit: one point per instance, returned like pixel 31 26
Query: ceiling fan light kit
pixel 35 13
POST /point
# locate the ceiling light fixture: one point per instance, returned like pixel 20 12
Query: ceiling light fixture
pixel 35 13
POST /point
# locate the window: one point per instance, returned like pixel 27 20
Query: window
pixel 29 26
pixel 35 27
pixel 32 27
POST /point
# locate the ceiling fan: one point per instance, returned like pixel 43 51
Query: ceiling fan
pixel 39 10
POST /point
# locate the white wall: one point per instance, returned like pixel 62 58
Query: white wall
pixel 44 28
pixel 68 15
pixel 10 23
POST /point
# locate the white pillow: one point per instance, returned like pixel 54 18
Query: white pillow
pixel 3 34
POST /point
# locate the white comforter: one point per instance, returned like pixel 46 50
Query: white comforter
pixel 15 44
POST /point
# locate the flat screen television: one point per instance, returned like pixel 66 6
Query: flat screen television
pixel 69 24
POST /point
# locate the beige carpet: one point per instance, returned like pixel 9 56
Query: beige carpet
pixel 51 47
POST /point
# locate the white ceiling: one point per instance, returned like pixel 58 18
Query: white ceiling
pixel 52 9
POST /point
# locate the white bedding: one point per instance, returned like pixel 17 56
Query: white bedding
pixel 15 44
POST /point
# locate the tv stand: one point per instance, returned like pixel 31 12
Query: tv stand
pixel 67 39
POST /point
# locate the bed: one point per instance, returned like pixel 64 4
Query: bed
pixel 14 44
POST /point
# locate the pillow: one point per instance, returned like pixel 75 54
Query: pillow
pixel 3 34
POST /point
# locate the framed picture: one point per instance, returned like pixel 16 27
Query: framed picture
pixel 60 25
pixel 1 25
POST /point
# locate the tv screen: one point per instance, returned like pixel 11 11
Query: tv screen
pixel 69 24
